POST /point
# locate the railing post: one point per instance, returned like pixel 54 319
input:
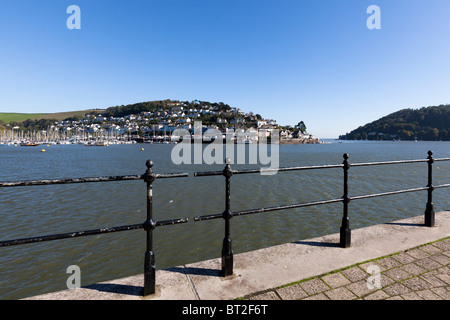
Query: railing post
pixel 227 252
pixel 345 232
pixel 429 211
pixel 149 226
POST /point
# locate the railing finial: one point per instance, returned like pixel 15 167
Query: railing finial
pixel 149 176
pixel 227 173
pixel 149 164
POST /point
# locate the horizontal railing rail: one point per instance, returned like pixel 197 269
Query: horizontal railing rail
pixel 77 234
pixel 345 232
pixel 268 209
pixel 148 225
pixel 43 182
pixel 218 173
pixel 227 253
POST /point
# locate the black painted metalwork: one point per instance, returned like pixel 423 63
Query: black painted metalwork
pixel 429 211
pixel 283 169
pixel 390 193
pixel 149 225
pixel 77 234
pixel 43 182
pixel 68 235
pixel 227 253
pixel 26 183
pixel 345 231
pixel 267 209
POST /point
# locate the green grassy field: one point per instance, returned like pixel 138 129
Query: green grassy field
pixel 7 117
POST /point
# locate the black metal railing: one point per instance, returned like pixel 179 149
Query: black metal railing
pixel 148 225
pixel 345 231
pixel 227 253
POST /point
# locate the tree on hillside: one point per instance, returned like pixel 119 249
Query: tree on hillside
pixel 301 126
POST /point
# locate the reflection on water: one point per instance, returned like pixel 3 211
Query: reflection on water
pixel 40 210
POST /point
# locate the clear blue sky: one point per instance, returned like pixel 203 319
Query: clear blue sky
pixel 289 60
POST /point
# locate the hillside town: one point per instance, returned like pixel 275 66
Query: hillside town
pixel 158 125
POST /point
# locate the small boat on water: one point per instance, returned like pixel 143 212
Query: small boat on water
pixel 29 144
pixel 95 144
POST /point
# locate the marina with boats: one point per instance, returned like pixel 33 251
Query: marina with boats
pixel 99 132
pixel 13 139
pixel 88 143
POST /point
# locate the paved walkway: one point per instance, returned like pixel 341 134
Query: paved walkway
pixel 395 260
pixel 421 273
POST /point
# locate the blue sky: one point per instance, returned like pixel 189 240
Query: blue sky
pixel 314 61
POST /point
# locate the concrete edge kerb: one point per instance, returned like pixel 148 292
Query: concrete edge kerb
pixel 268 268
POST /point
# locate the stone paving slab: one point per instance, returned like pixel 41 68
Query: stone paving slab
pixel 421 273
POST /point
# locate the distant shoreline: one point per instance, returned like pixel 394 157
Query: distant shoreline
pixel 300 141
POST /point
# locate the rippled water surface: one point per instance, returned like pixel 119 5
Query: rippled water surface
pixel 32 269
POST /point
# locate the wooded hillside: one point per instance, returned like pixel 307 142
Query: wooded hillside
pixel 427 123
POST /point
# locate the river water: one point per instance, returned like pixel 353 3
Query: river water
pixel 38 268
